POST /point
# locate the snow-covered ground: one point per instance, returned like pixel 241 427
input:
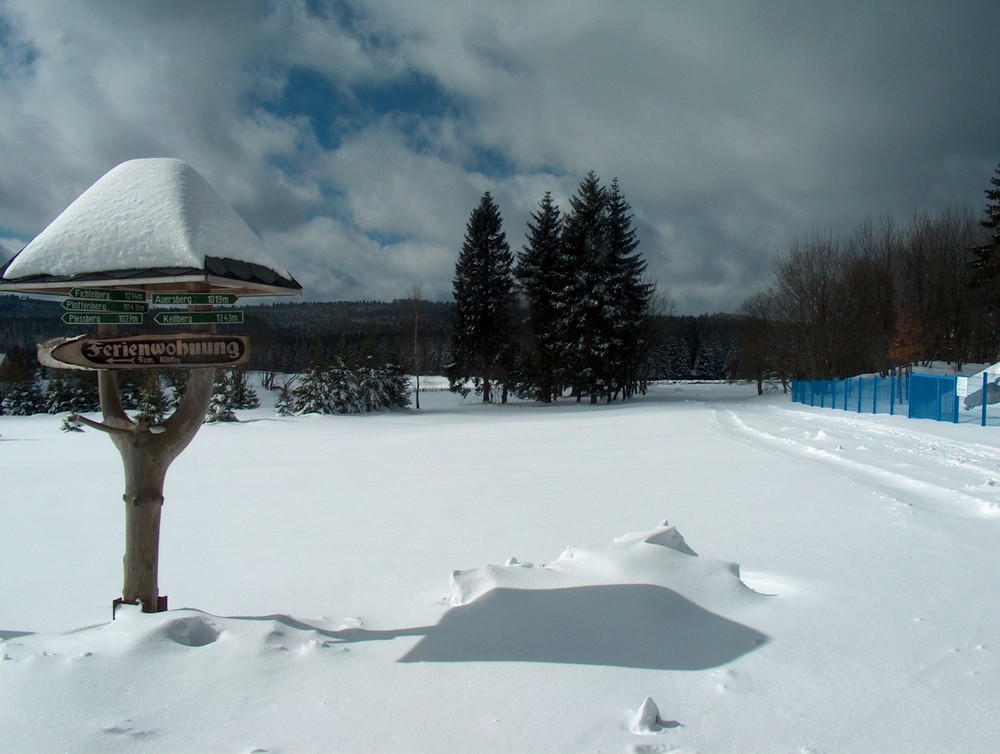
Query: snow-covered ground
pixel 501 579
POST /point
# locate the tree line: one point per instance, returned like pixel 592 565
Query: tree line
pixel 570 312
pixel 285 336
pixel 884 297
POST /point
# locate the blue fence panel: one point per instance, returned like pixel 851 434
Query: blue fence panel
pixel 933 397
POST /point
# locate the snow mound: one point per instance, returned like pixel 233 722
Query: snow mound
pixel 658 557
pixel 642 601
pixel 142 214
pixel 647 719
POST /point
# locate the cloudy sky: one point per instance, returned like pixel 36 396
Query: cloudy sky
pixel 356 136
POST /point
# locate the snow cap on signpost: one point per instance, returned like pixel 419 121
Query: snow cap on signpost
pixel 153 223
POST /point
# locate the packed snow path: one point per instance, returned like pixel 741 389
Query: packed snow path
pixel 500 579
pixel 950 476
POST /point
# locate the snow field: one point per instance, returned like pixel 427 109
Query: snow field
pixel 502 579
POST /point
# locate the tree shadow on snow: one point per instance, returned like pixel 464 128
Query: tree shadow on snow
pixel 625 625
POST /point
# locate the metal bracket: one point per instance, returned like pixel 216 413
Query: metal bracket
pixel 147 605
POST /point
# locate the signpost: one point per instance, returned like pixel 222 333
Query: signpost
pixel 179 351
pixel 119 213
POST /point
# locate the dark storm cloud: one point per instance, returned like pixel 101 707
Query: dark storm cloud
pixel 357 137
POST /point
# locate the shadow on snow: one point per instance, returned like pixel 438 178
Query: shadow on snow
pixel 624 625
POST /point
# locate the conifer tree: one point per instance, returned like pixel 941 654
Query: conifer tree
pixel 986 262
pixel 221 408
pixel 24 397
pixel 285 403
pixel 542 275
pixel 584 297
pixel 483 292
pixel 71 423
pixel 674 359
pixel 73 391
pixel 605 305
pixel 152 402
pixel 21 391
pixel 628 297
pixel 312 394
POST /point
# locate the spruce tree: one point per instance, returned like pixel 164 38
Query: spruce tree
pixel 543 274
pixel 285 403
pixel 73 391
pixel 71 423
pixel 672 360
pixel 583 300
pixel 986 262
pixel 628 297
pixel 151 403
pixel 483 291
pixel 312 394
pixel 221 408
pixel 24 397
pixel 605 305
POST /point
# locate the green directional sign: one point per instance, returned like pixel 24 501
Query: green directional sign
pixel 84 305
pixel 198 318
pixel 79 318
pixel 205 299
pixel 107 294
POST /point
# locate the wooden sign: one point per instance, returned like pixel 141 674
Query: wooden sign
pixel 177 351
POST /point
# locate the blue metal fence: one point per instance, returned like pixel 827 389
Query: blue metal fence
pixel 865 395
pixel 945 398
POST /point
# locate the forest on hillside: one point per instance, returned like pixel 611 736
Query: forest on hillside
pixel 285 336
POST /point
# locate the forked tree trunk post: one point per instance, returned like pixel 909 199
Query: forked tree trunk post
pixel 147 451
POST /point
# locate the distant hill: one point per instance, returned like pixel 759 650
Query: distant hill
pixel 283 335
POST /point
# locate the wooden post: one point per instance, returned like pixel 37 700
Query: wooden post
pixel 147 451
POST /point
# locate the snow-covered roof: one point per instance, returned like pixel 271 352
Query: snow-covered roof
pixel 154 222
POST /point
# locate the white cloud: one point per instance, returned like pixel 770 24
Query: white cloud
pixel 732 128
